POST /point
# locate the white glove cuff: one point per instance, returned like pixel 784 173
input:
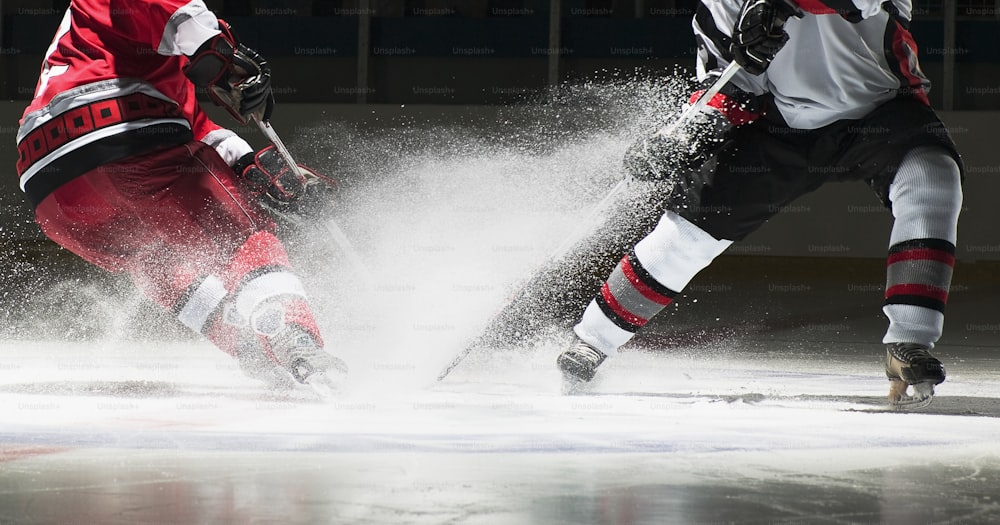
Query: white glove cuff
pixel 230 146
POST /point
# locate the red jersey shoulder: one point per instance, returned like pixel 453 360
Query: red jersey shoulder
pixel 102 45
pixel 105 39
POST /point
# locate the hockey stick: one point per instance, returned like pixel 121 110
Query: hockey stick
pixel 339 237
pixel 669 129
pixel 727 74
pixel 588 223
pixel 706 97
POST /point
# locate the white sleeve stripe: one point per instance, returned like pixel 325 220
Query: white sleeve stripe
pixel 230 146
pixel 188 28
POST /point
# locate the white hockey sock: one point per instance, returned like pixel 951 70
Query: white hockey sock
pixel 646 280
pixel 926 197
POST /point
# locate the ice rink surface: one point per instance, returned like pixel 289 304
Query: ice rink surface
pixel 757 398
pixel 769 423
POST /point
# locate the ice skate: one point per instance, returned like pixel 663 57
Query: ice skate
pixel 911 364
pixel 578 364
pixel 255 363
pixel 309 364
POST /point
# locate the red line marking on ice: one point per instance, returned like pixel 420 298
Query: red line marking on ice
pixel 16 452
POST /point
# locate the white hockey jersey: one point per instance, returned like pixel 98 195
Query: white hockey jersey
pixel 842 59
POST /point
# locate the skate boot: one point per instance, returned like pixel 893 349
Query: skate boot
pixel 295 350
pixel 578 364
pixel 911 364
pixel 256 364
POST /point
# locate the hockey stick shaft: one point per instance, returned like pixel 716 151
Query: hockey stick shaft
pixel 724 78
pixel 339 237
pixel 272 136
pixel 586 225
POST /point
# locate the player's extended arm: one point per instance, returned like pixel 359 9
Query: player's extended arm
pixel 750 37
pixel 239 79
pixel 235 76
pixel 692 142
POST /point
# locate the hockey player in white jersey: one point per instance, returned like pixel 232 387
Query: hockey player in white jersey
pixel 829 90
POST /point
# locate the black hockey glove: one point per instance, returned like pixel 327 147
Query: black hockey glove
pixel 658 157
pixel 235 76
pixel 759 33
pixel 272 180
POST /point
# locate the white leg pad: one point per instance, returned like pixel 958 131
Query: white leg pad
pixel 926 197
pixel 673 253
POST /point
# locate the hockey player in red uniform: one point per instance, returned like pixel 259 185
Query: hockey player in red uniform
pixel 124 169
pixel 829 90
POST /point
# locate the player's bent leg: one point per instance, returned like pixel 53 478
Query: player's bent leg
pixel 926 198
pixel 642 284
pixel 256 310
pixel 272 301
pixel 206 308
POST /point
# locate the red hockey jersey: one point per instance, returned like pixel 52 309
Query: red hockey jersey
pixel 112 85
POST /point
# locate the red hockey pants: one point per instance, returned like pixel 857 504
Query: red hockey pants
pixel 178 223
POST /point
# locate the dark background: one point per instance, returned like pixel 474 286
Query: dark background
pixel 500 51
pixel 371 65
